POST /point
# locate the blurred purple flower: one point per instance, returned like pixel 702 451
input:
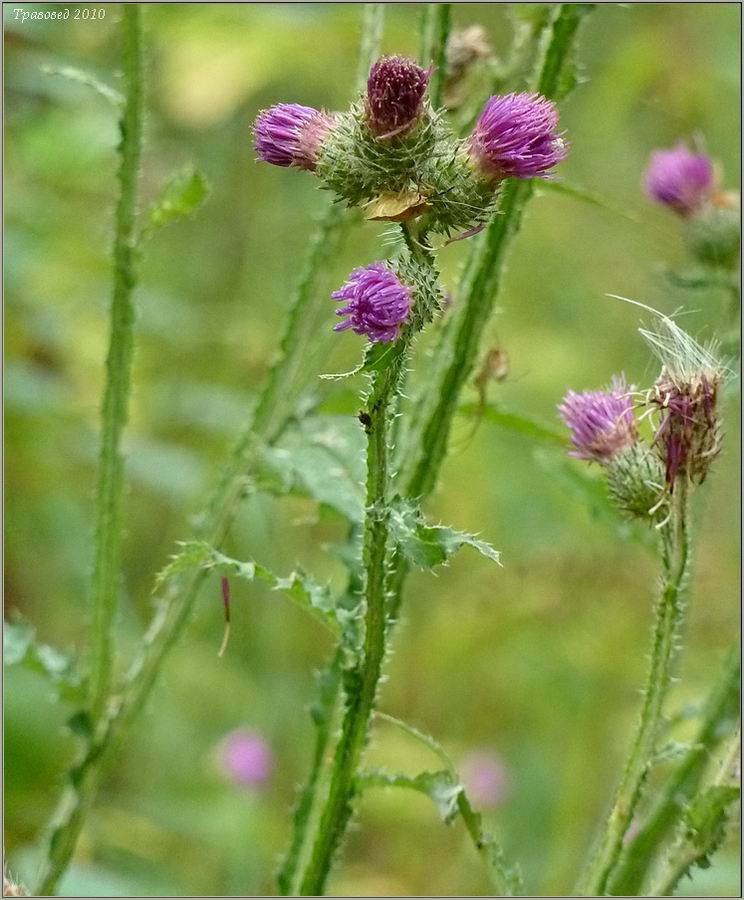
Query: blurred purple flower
pixel 291 135
pixel 515 136
pixel 377 303
pixel 680 179
pixel 602 422
pixel 395 94
pixel 485 779
pixel 247 758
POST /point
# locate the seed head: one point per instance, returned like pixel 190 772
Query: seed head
pixel 602 422
pixel 680 179
pixel 685 397
pixel 377 303
pixel 515 136
pixel 291 135
pixel 395 95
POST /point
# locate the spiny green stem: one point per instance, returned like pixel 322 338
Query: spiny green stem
pixel 108 535
pixel 115 409
pixel 361 698
pixel 435 28
pixel 721 705
pixel 474 826
pixel 692 849
pixel 669 615
pixel 330 677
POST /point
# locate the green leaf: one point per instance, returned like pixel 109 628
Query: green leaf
pixel 300 587
pixel 377 356
pixel 440 787
pixel 585 196
pixel 322 458
pixel 21 648
pixel 79 76
pixel 179 197
pixel 516 422
pixel 427 546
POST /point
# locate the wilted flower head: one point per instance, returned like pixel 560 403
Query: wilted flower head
pixel 485 778
pixel 602 422
pixel 291 135
pixel 377 303
pixel 680 179
pixel 247 758
pixel 395 95
pixel 515 136
pixel 685 395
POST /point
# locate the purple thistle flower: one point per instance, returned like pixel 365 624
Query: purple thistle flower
pixel 680 179
pixel 377 303
pixel 247 758
pixel 515 136
pixel 291 135
pixel 395 95
pixel 485 779
pixel 602 422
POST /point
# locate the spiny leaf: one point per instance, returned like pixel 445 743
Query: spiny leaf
pixel 79 76
pixel 378 355
pixel 427 546
pixel 21 648
pixel 426 739
pixel 179 197
pixel 298 586
pixel 440 787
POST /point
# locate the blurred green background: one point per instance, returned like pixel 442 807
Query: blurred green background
pixel 538 663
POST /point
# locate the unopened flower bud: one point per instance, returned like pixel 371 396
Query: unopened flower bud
pixel 680 179
pixel 377 303
pixel 715 236
pixel 291 135
pixel 515 136
pixel 395 95
pixel 635 480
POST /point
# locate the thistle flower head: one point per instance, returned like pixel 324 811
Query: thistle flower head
pixel 602 422
pixel 680 179
pixel 291 135
pixel 395 95
pixel 685 396
pixel 247 758
pixel 377 303
pixel 485 778
pixel 515 136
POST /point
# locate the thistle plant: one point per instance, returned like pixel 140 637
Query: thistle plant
pixel 395 156
pixel 651 480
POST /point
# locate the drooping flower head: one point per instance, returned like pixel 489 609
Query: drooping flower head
pixel 685 395
pixel 485 778
pixel 291 135
pixel 602 422
pixel 680 179
pixel 395 95
pixel 247 758
pixel 515 136
pixel 377 303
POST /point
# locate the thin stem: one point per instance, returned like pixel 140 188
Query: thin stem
pixel 115 408
pixel 721 705
pixel 669 616
pixel 435 28
pixel 692 848
pixel 106 571
pixel 361 699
